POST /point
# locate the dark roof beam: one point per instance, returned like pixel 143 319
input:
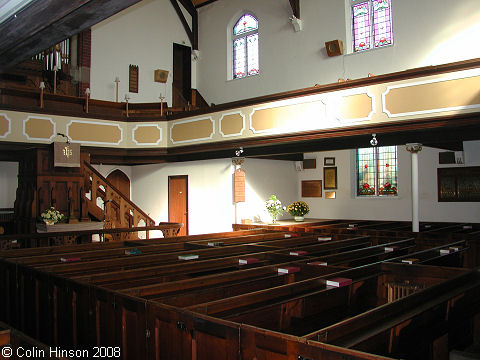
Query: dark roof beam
pixel 192 33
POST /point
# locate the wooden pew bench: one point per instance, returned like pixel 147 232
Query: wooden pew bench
pixel 424 325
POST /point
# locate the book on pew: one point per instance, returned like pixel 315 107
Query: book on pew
pixel 298 253
pixel 248 261
pixel 288 270
pixel 410 261
pixel 215 243
pixel 324 238
pixel 187 257
pixel 338 282
pixel 69 259
pixel 134 251
pixel 318 263
pixel 391 248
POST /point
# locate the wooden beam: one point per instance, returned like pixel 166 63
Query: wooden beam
pixel 46 23
pixel 295 4
pixel 192 33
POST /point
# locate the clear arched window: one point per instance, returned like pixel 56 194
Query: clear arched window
pixel 245 47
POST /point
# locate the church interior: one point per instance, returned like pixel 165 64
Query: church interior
pixel 225 179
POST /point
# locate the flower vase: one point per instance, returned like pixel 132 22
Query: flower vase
pixel 48 222
pixel 299 218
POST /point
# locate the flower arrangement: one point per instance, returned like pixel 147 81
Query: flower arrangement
pixel 387 189
pixel 298 208
pixel 366 190
pixel 274 207
pixel 52 216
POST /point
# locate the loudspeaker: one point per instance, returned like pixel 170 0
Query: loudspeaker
pixel 334 47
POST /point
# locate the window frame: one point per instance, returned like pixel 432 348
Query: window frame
pixel 351 4
pixel 245 36
pixel 377 178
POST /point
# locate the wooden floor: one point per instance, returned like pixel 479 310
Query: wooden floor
pixel 264 293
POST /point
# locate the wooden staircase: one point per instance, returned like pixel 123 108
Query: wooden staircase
pixel 106 203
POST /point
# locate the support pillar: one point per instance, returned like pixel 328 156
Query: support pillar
pixel 414 149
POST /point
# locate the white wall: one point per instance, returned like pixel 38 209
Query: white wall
pixel 8 183
pixel 425 32
pixel 141 35
pixel 210 196
pixel 347 206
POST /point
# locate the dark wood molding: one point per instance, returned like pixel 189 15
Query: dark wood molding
pixel 318 89
pixel 45 23
pixel 295 4
pixel 11 99
pixel 192 33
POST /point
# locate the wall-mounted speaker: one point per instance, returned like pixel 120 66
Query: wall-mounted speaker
pixel 334 47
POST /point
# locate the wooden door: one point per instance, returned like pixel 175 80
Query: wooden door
pixel 182 75
pixel 121 181
pixel 178 201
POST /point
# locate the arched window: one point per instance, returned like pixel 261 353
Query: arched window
pixel 245 47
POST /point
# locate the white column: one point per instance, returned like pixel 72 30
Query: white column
pixel 414 149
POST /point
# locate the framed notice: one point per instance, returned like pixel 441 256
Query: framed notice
pixel 330 178
pixel 312 188
pixel 329 161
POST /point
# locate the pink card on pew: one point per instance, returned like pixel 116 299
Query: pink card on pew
pixel 248 261
pixel 288 270
pixel 298 253
pixel 338 282
pixel 69 259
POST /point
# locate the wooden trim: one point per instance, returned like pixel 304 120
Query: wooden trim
pixel 318 89
pixel 186 199
pixel 107 110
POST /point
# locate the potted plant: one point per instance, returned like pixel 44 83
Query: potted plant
pixel 298 210
pixel 52 216
pixel 274 208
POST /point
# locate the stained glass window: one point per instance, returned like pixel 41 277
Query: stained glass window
pixel 377 171
pixel 371 24
pixel 245 47
pixel 245 24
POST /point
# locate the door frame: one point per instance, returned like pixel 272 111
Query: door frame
pixel 186 198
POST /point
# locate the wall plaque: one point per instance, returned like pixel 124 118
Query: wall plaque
pixel 312 188
pixel 459 184
pixel 133 78
pixel 239 185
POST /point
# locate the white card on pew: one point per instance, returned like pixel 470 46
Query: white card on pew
pixel 444 251
pixel 391 248
pixel 318 263
pixel 187 257
pixel 465 227
pixel 324 238
pixel 410 261
pixel 288 235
